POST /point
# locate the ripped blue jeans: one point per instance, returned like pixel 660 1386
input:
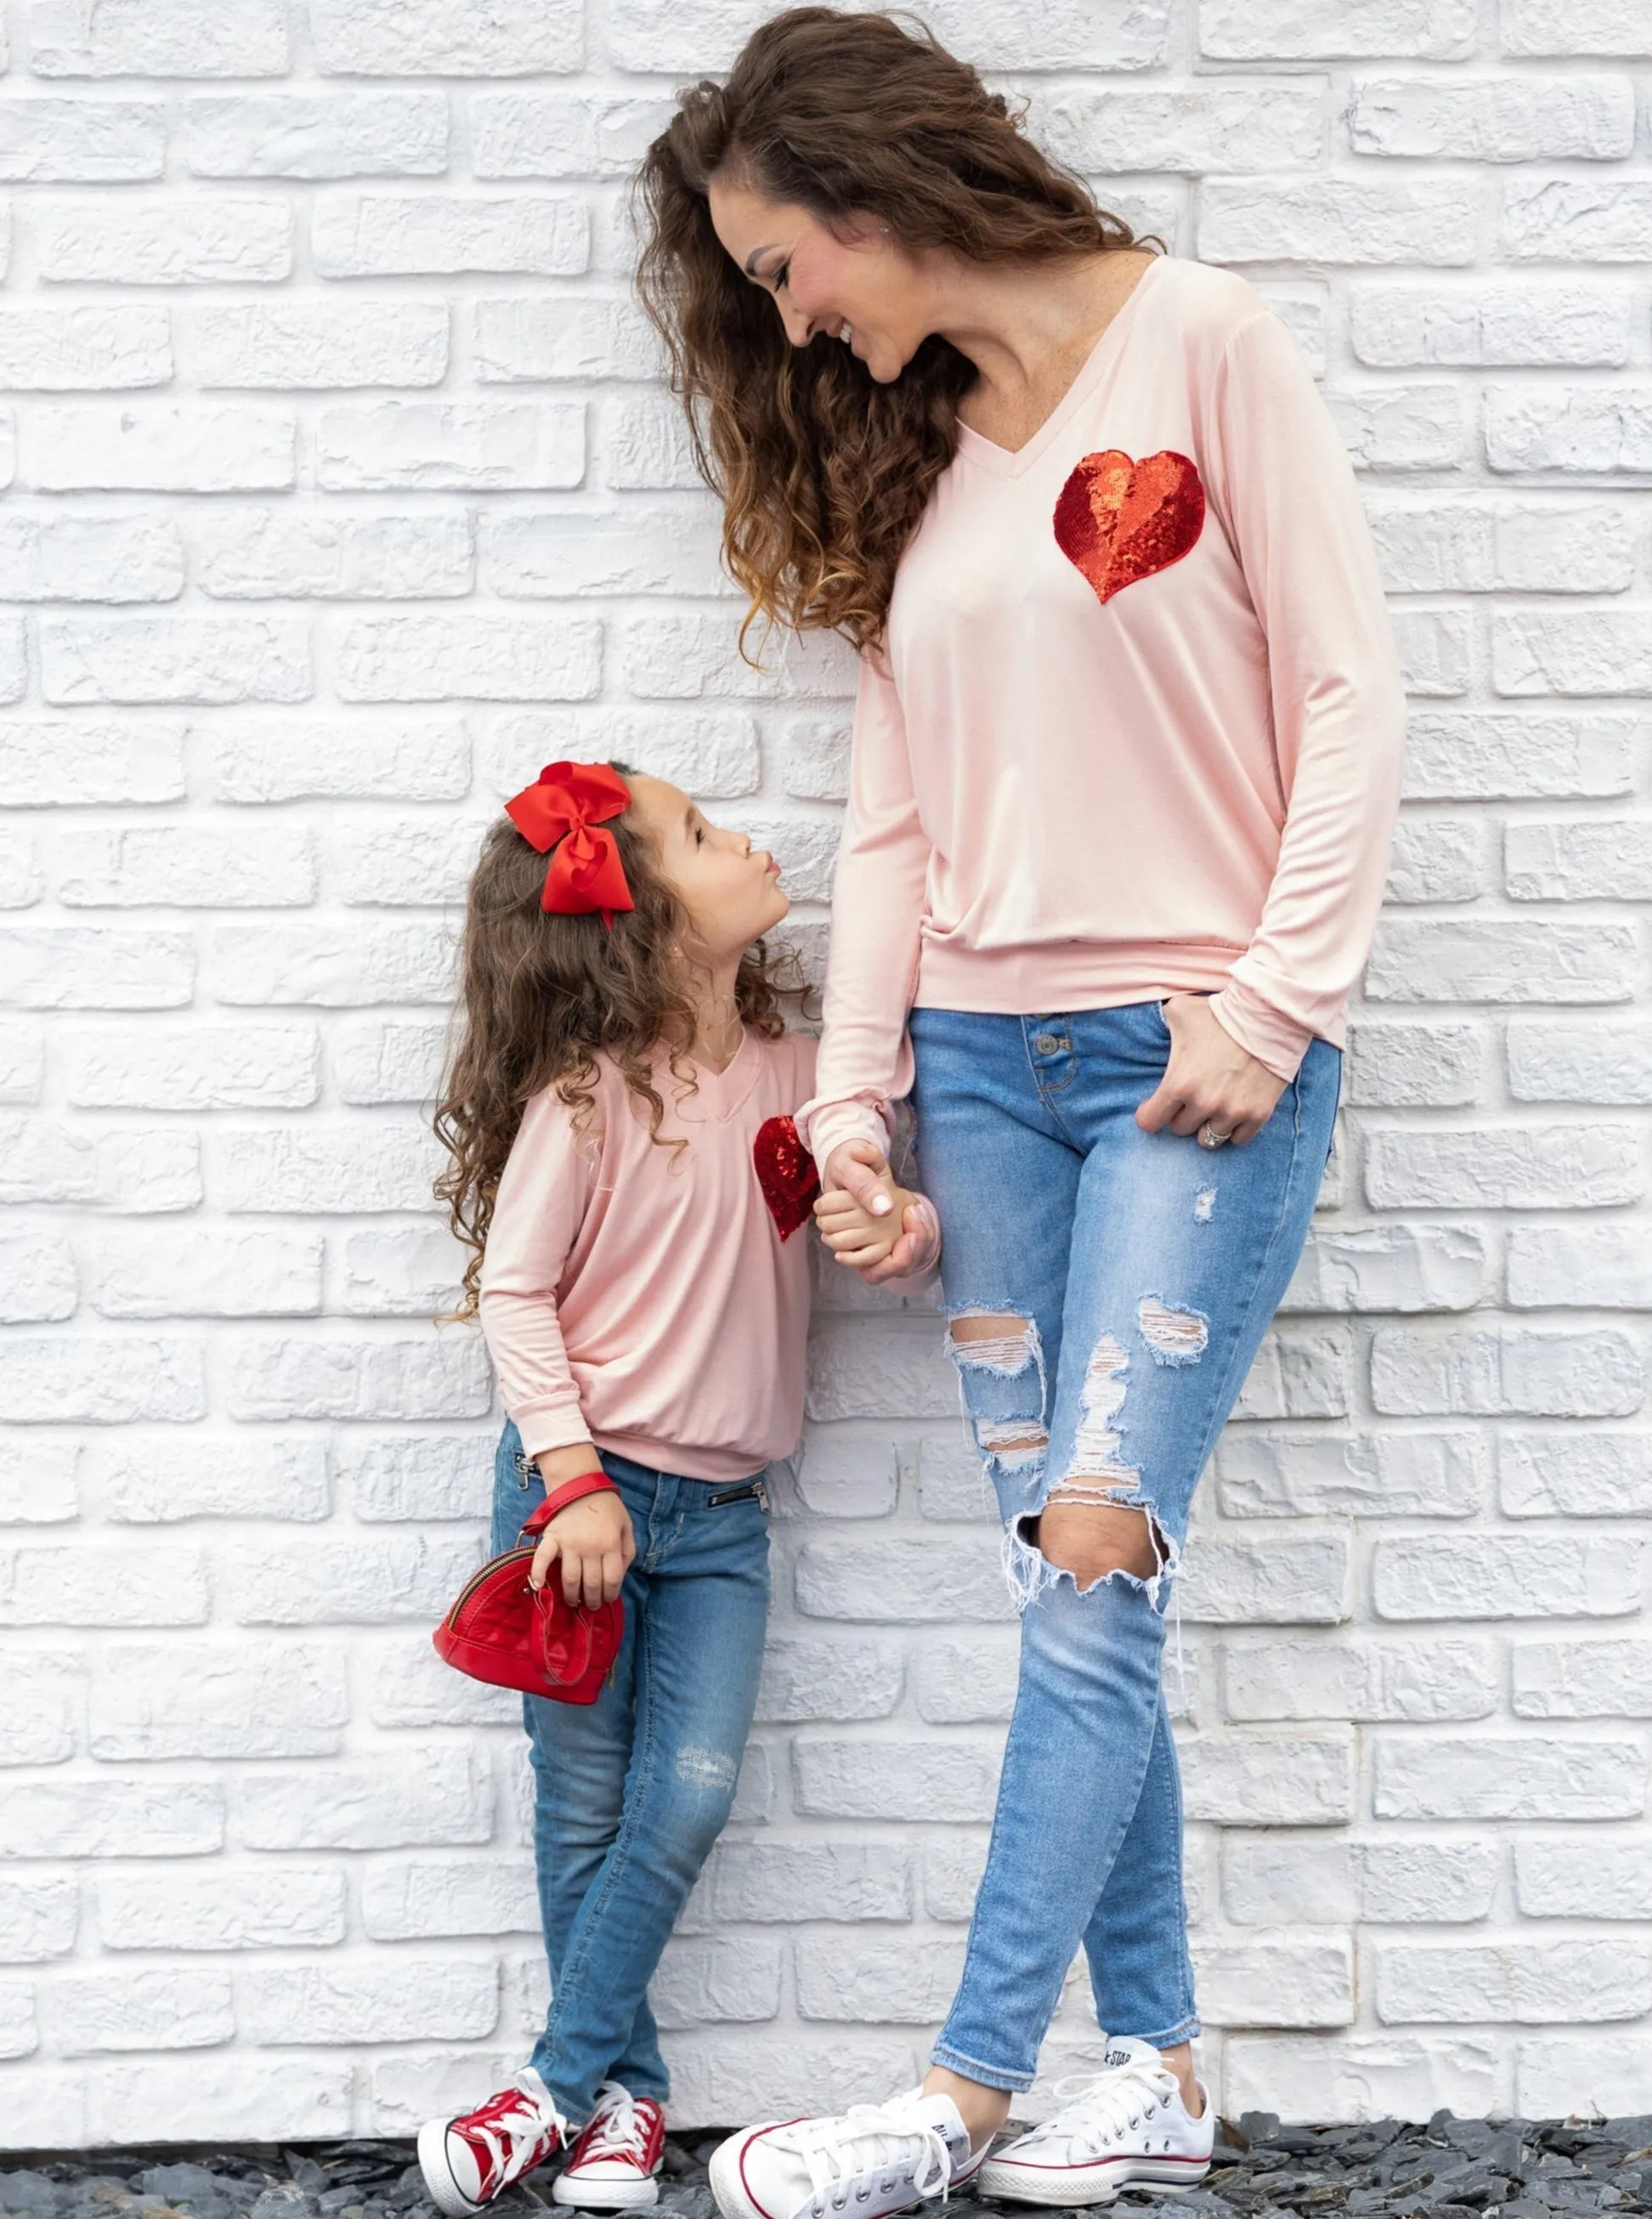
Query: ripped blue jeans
pixel 1135 1274
pixel 630 1792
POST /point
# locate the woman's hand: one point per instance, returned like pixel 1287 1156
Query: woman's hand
pixel 879 1229
pixel 592 1541
pixel 1209 1080
pixel 866 1243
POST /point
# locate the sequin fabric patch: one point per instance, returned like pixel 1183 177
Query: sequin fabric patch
pixel 1118 520
pixel 786 1173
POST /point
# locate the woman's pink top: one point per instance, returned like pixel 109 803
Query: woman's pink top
pixel 641 1296
pixel 1137 726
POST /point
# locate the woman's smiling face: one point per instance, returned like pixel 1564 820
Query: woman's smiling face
pixel 854 284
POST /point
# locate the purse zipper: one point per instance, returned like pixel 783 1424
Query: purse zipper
pixel 477 1577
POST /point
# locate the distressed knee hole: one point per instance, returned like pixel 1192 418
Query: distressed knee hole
pixel 1204 1205
pixel 1086 1530
pixel 1175 1334
pixel 1095 1525
pixel 986 1341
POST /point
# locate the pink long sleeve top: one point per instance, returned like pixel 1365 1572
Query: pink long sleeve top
pixel 1136 725
pixel 641 1297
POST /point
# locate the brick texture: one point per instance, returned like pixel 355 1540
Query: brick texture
pixel 345 494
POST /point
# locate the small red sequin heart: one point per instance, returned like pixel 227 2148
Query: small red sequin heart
pixel 1118 520
pixel 786 1173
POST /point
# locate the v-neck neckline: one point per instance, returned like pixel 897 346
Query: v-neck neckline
pixel 724 1092
pixel 1013 462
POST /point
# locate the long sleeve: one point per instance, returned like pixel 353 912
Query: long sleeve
pixel 1282 483
pixel 877 907
pixel 536 1217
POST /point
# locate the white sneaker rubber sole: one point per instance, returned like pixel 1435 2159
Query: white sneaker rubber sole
pixel 1069 2187
pixel 584 2194
pixel 446 2191
pixel 734 2200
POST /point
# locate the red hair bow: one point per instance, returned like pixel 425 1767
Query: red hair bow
pixel 562 811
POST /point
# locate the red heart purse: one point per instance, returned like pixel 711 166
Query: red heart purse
pixel 786 1173
pixel 505 1632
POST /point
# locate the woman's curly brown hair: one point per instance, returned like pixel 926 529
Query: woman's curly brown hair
pixel 542 995
pixel 823 473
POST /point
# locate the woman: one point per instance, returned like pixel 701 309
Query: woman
pixel 1125 762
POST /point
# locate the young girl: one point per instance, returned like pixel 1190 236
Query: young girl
pixel 622 1046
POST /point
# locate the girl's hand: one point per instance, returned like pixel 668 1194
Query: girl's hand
pixel 1209 1080
pixel 592 1541
pixel 879 1229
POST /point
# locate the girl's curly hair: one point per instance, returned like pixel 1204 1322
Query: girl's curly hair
pixel 542 996
pixel 823 473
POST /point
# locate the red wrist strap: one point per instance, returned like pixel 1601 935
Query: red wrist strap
pixel 571 1490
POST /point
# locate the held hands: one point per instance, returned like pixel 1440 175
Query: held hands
pixel 879 1229
pixel 1210 1080
pixel 592 1539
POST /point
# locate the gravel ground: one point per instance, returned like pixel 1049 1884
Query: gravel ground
pixel 1449 2169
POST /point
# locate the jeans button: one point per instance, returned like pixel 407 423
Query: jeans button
pixel 1046 1044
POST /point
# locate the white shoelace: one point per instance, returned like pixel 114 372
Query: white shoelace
pixel 877 2138
pixel 615 2130
pixel 1098 2111
pixel 515 2122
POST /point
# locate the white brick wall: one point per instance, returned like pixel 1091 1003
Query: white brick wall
pixel 342 499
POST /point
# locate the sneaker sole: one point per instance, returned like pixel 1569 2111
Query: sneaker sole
pixel 445 2192
pixel 1071 2195
pixel 605 2196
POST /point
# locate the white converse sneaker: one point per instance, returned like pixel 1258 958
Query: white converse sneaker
pixel 470 2160
pixel 617 2156
pixel 880 2157
pixel 1127 2126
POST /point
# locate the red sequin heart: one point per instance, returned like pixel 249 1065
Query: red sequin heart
pixel 1118 520
pixel 786 1173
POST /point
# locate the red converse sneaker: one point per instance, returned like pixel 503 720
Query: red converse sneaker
pixel 617 2156
pixel 467 2162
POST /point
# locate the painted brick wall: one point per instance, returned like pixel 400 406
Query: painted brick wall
pixel 341 499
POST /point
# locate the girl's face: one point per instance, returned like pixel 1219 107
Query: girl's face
pixel 860 288
pixel 731 890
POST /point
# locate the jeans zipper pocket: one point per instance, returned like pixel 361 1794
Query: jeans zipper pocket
pixel 753 1491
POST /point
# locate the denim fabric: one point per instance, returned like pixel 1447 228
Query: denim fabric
pixel 1149 1268
pixel 631 1791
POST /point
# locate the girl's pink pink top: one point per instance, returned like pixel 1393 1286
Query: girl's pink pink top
pixel 1136 728
pixel 642 1297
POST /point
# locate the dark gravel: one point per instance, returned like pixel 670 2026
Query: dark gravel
pixel 1451 2168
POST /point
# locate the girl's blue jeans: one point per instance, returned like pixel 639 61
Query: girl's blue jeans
pixel 631 1791
pixel 1143 1270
